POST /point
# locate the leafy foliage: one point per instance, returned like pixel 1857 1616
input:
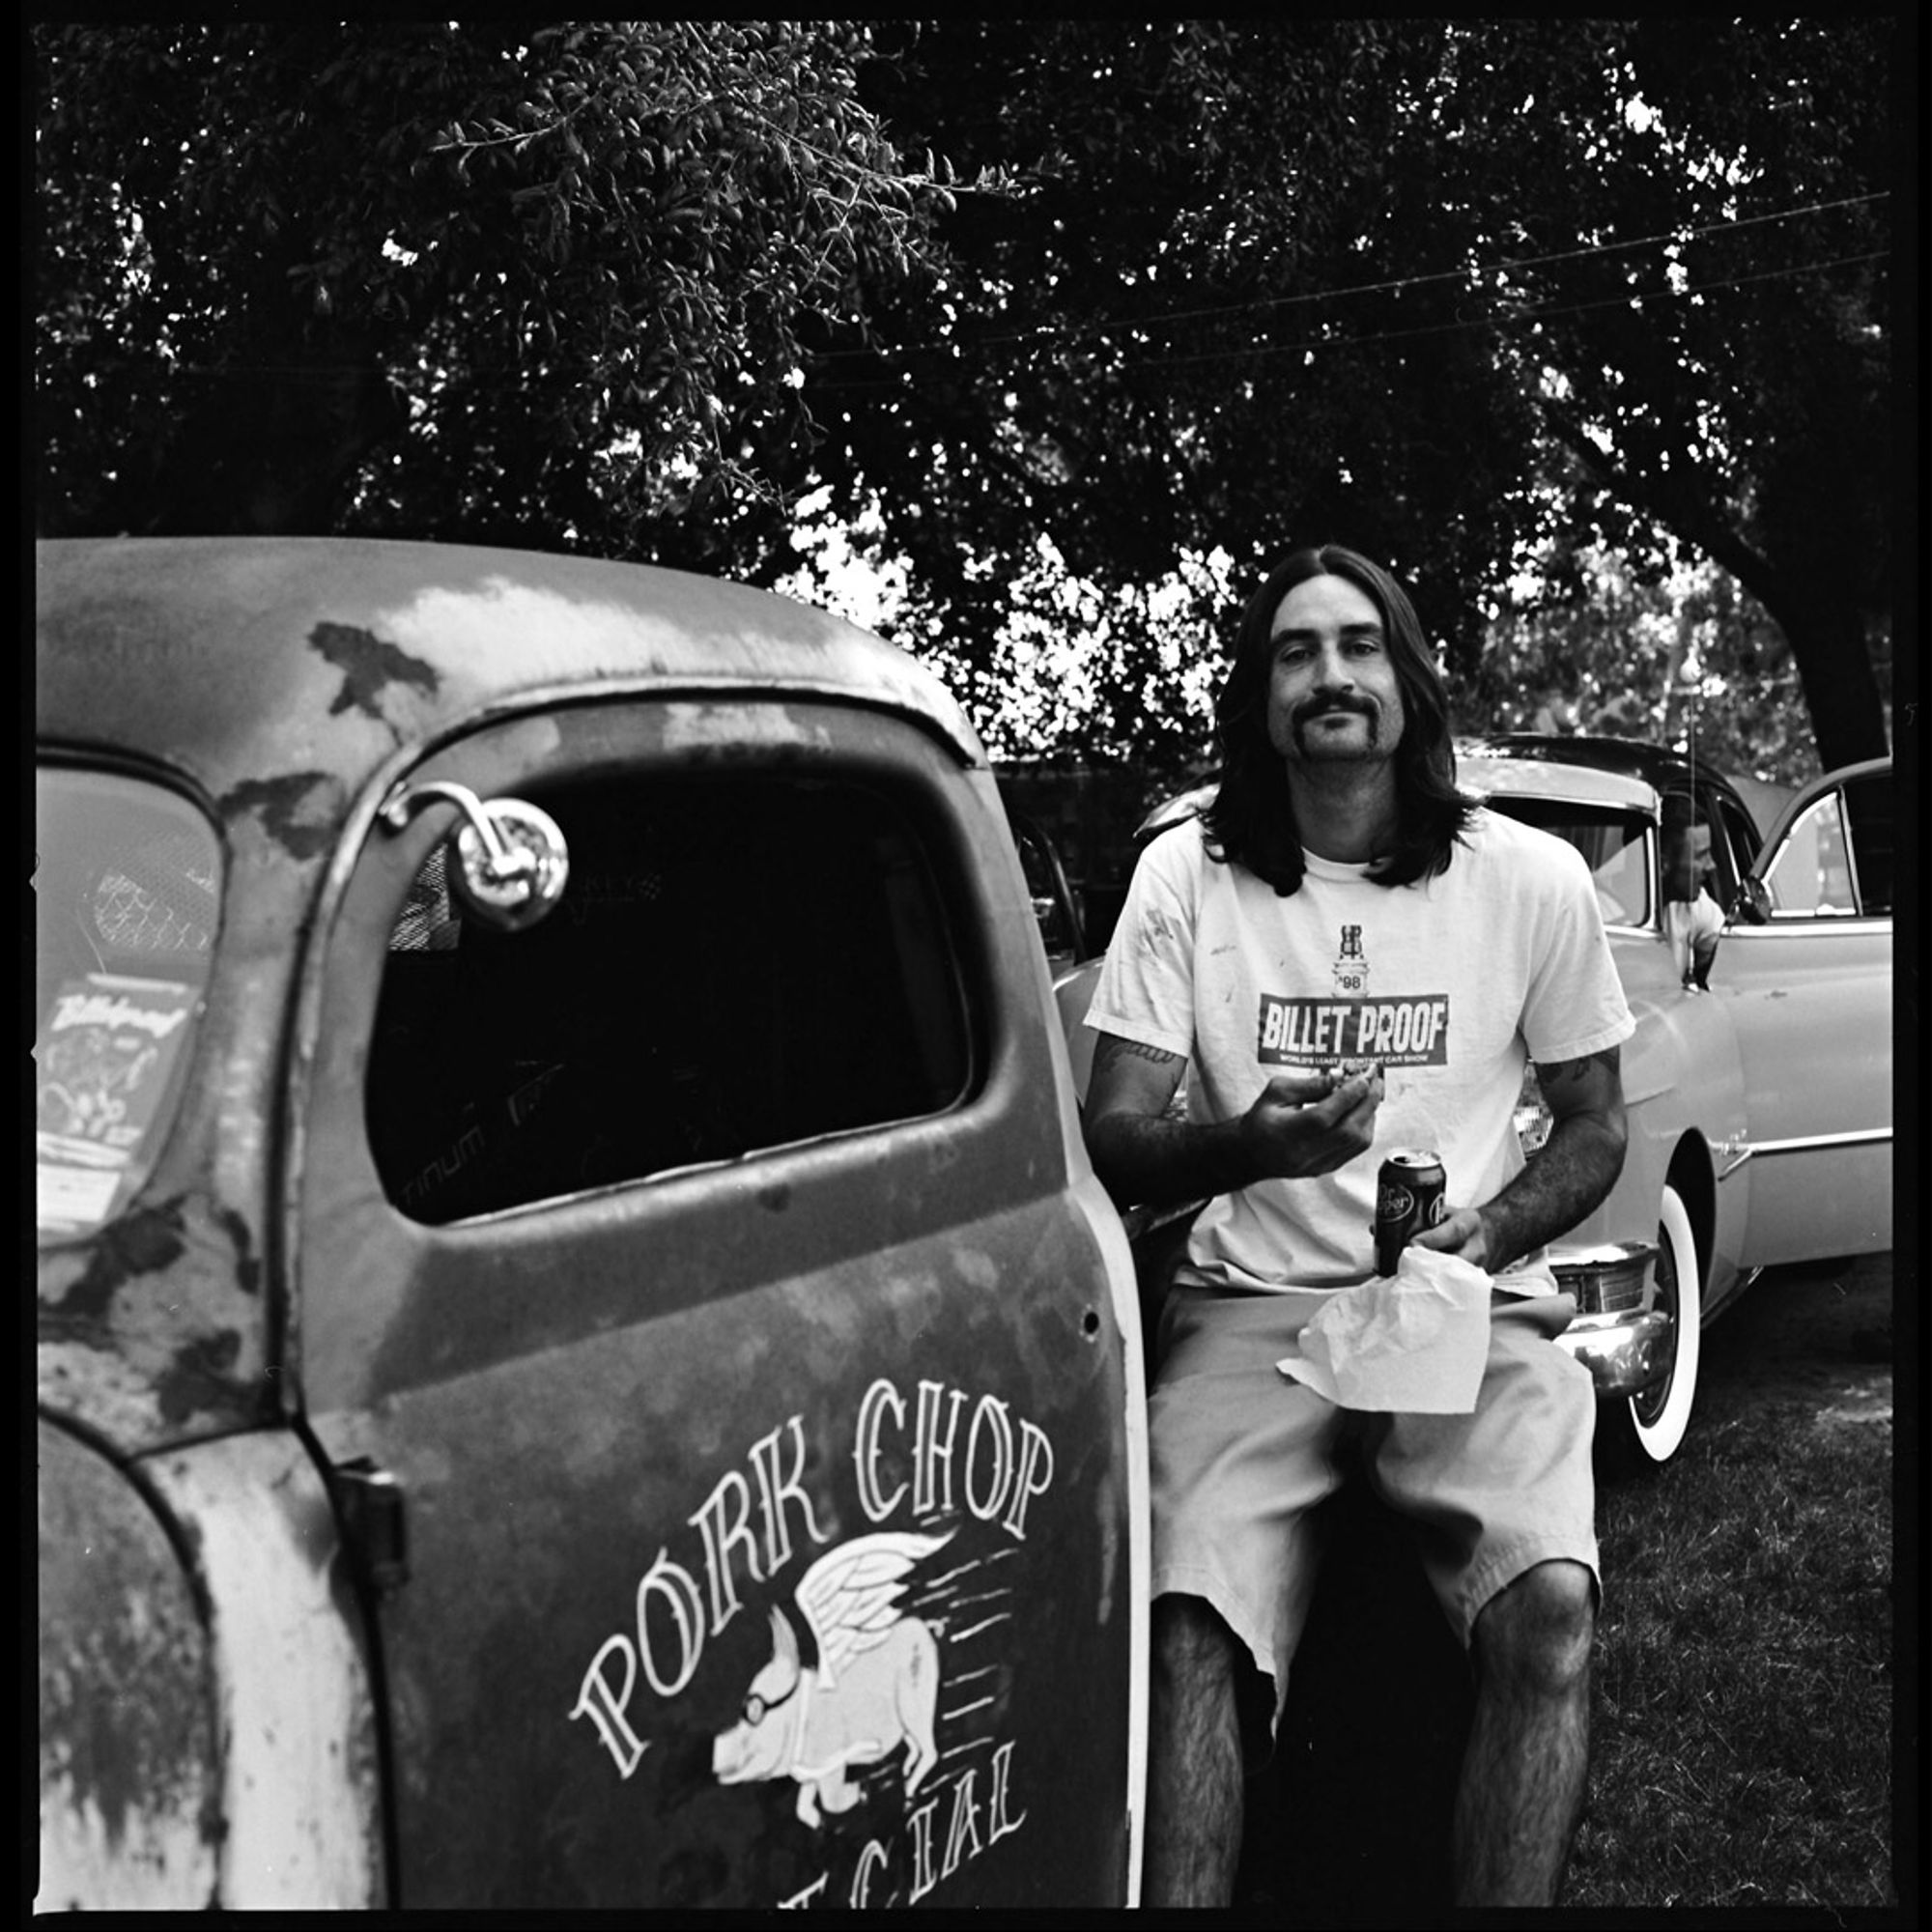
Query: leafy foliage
pixel 1465 294
pixel 535 284
pixel 1691 661
pixel 1471 294
pixel 1157 367
pixel 1741 167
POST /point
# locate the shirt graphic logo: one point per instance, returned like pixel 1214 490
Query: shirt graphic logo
pixel 1322 1033
pixel 1352 967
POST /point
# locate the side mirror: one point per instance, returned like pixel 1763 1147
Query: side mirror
pixel 510 859
pixel 1753 903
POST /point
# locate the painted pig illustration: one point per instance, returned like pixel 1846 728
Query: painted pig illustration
pixel 873 1691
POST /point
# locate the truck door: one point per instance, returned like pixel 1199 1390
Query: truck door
pixel 705 1271
pixel 1810 993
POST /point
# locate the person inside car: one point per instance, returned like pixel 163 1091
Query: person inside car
pixel 1692 919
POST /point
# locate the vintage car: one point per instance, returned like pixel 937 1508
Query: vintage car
pixel 1759 1110
pixel 582 1362
pixel 1056 905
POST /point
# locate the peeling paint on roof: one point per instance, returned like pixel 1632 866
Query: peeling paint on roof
pixel 369 667
pixel 297 810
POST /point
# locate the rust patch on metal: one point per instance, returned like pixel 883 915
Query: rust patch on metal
pixel 287 809
pixel 127 1729
pixel 369 664
pixel 166 1305
pixel 138 1243
pixel 197 1378
pixel 247 1265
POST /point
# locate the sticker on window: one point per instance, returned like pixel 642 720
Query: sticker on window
pixel 103 1059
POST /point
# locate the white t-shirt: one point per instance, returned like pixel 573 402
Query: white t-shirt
pixel 1685 921
pixel 1449 983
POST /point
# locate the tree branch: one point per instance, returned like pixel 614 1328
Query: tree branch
pixel 1674 507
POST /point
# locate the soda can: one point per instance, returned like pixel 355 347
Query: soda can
pixel 1409 1194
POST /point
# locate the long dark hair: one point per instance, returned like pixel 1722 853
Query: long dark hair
pixel 1251 820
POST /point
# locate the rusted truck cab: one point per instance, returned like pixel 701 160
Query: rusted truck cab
pixel 581 1359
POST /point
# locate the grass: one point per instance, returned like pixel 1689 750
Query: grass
pixel 1740 1705
pixel 1742 1708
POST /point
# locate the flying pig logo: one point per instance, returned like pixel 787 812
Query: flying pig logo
pixel 889 1690
pixel 872 1693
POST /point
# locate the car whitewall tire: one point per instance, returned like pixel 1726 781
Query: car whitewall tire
pixel 1652 1425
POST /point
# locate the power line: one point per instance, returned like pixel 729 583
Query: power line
pixel 1468 270
pixel 1532 313
pixel 329 371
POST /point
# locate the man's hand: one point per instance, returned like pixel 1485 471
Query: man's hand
pixel 1299 1124
pixel 1462 1232
pixel 1576 1168
pixel 1703 955
pixel 1303 1124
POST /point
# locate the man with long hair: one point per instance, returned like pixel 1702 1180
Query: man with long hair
pixel 1344 954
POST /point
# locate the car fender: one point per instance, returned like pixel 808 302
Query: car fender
pixel 129 1763
pixel 1682 1049
pixel 209 1732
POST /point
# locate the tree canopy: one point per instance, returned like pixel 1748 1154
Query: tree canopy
pixel 1690 660
pixel 1084 319
pixel 1460 292
pixel 528 283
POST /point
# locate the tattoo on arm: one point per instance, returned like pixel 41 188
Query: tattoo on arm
pixel 1152 1090
pixel 1143 1147
pixel 1568 1072
pixel 1579 1164
pixel 1138 1048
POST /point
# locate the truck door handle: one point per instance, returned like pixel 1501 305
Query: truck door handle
pixel 369 1504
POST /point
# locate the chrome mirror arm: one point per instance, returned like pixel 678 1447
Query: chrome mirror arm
pixel 511 857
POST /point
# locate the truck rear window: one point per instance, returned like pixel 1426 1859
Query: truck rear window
pixel 126 893
pixel 738 962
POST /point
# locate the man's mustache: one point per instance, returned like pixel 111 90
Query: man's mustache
pixel 1322 704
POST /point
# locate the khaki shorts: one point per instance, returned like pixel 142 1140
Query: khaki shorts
pixel 1240 1454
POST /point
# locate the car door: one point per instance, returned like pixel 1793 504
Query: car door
pixel 1055 908
pixel 1734 841
pixel 706 1271
pixel 1808 990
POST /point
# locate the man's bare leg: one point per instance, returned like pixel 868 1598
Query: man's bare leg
pixel 1523 1774
pixel 1194 1757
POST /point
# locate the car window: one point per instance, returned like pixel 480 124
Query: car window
pixel 1614 846
pixel 737 963
pixel 127 886
pixel 1811 875
pixel 1734 845
pixel 1868 810
pixel 1053 909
